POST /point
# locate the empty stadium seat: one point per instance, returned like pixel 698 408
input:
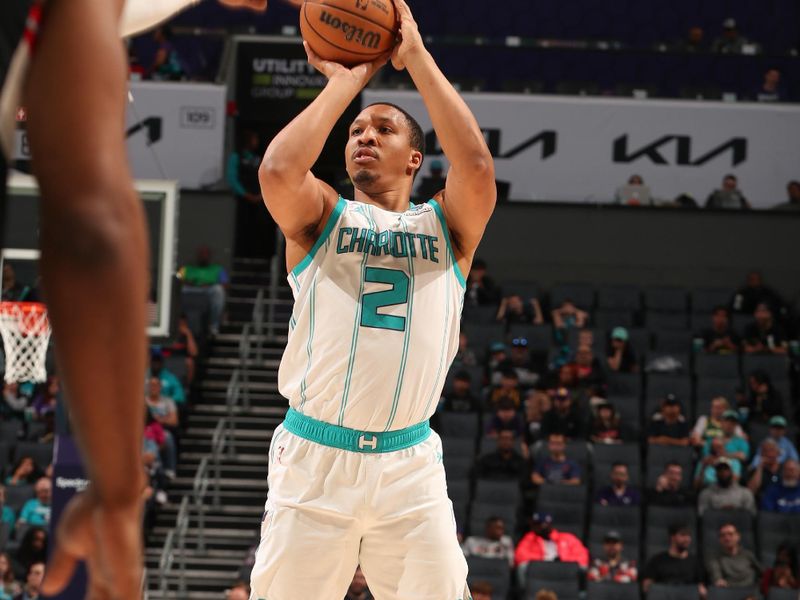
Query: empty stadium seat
pixel 716 365
pixel 458 467
pixel 602 590
pixel 581 294
pixel 662 591
pixel 17 495
pixel 562 578
pixel 670 340
pixel 619 297
pixel 608 318
pixel 481 335
pixel 656 320
pixel 497 492
pixel 492 570
pixel 11 431
pixel 774 529
pixel 459 425
pixel 731 593
pixel 776 366
pixel 484 315
pixel 41 453
pixel 708 388
pixel 706 300
pixel 458 490
pixel 781 594
pixel 5 534
pixel 665 299
pixel 625 384
pixel 540 337
pixel 481 511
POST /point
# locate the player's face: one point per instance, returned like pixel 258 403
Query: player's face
pixel 378 150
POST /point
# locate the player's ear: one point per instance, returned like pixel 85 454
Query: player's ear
pixel 415 160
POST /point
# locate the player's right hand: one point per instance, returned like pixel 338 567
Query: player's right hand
pixel 358 75
pixel 109 539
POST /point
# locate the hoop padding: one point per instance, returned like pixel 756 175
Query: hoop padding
pixel 26 333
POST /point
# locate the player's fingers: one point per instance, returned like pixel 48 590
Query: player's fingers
pixel 59 571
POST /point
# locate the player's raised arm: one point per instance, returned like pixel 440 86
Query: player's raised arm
pixel 297 200
pixel 470 191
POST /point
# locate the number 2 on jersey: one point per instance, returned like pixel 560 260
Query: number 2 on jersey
pixel 398 294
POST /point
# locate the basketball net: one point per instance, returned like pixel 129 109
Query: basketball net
pixel 26 332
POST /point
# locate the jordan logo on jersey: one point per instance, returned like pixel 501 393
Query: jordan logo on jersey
pixel 393 243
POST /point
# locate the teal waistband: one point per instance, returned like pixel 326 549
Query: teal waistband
pixel 352 439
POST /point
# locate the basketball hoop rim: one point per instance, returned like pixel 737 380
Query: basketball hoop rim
pixel 27 307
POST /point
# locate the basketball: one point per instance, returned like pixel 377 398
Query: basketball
pixel 349 31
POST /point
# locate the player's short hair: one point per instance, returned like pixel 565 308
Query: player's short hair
pixel 415 134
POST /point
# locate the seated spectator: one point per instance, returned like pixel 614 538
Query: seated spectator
pixel 32 549
pixel 729 196
pixel 164 411
pixel 171 386
pixel 507 388
pixel 358 589
pixel 793 197
pixel 33 582
pixel 693 42
pixel 505 417
pixel 520 360
pixel 209 278
pixel 765 335
pixel 481 590
pixel 770 89
pixel 185 345
pixel 784 497
pixel 720 338
pixel 465 357
pixel 36 511
pixel 675 566
pixel 669 489
pixel 494 543
pixel 14 290
pixel 619 493
pixel 8 583
pixel 606 427
pixel 591 376
pixel 634 193
pixel 668 427
pixel 167 62
pixel 620 355
pixel 755 292
pixel 729 445
pixel 545 543
pixel 783 574
pixel 612 567
pixel 25 472
pixel 514 310
pixel 709 426
pixel 731 565
pixel 14 402
pixel 43 406
pixel 777 433
pixel 481 289
pixel 239 591
pixel 460 398
pixel 556 468
pixel 726 493
pixel 7 515
pixel 731 41
pixel 564 418
pixel 497 362
pixel 568 315
pixel 505 462
pixel 762 401
pixel 765 469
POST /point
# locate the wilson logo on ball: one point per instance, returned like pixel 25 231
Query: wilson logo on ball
pixel 368 39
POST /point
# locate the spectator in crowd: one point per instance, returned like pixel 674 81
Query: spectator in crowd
pixel 612 567
pixel 693 42
pixel 208 278
pixel 754 292
pixel 520 360
pixel 620 355
pixel 777 434
pixel 14 402
pixel 731 565
pixel 513 310
pixel 358 589
pixel 568 315
pixel 633 193
pixel 729 196
pixel 763 401
pixel 481 289
pixel 545 543
pixel 764 335
pixel 432 184
pixel 726 493
pixel 709 426
pixel 668 427
pixel 765 469
pixel 460 398
pixel 564 418
pixel 675 566
pixel 505 462
pixel 508 387
pixel 167 63
pixel 8 583
pixel 669 489
pixel 36 511
pixel 7 515
pixel 783 574
pixel 185 345
pixel 505 418
pixel 545 594
pixel 784 497
pixel 591 376
pixel 253 223
pixel 729 445
pixel 606 426
pixel 618 493
pixel 43 406
pixel 481 590
pixel 556 468
pixel 465 356
pixel 238 591
pixel 720 338
pixel 731 41
pixel 164 411
pixel 33 582
pixel 793 197
pixel 497 362
pixel 494 543
pixel 32 549
pixel 14 290
pixel 770 89
pixel 25 472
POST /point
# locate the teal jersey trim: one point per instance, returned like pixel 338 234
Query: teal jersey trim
pixel 326 232
pixel 440 213
pixel 353 440
pixel 312 310
pixel 444 339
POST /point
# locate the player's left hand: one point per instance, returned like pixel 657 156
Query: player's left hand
pixel 256 5
pixel 410 39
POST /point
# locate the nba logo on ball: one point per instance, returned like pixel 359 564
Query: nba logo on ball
pixel 349 31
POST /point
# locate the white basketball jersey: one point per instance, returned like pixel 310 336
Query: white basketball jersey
pixel 376 318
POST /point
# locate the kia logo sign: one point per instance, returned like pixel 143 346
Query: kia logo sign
pixel 197 117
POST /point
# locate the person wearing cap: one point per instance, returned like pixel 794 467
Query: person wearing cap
pixel 676 565
pixel 618 493
pixel 731 565
pixel 784 497
pixel 545 543
pixel 668 427
pixel 520 361
pixel 612 567
pixel 720 338
pixel 731 41
pixel 726 493
pixel 777 433
pixel 765 469
pixel 709 426
pixel 620 355
pixel 729 445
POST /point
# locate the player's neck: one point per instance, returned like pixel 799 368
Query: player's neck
pixel 393 200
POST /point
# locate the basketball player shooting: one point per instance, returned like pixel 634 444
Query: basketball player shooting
pixel 355 473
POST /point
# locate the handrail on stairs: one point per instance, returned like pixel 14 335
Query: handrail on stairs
pixel 175 540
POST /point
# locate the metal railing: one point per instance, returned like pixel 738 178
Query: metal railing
pixel 176 540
